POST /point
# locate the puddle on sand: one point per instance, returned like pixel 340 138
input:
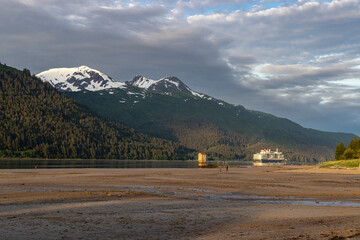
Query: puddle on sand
pixel 198 194
pixel 251 199
pixel 284 200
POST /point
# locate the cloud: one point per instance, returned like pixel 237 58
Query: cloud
pixel 295 59
pixel 301 51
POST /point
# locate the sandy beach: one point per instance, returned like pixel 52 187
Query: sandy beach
pixel 288 202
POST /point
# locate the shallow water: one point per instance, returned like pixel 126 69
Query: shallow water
pixel 69 163
pixel 192 193
pixel 201 194
pixel 287 201
pixel 66 163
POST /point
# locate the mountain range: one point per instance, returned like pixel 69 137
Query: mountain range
pixel 84 78
pixel 37 121
pixel 169 109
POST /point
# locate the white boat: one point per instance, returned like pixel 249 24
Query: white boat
pixel 267 157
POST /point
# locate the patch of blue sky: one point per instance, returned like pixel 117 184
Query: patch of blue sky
pixel 350 82
pixel 246 6
pixel 221 8
pixel 231 7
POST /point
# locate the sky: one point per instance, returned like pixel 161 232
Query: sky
pixel 295 59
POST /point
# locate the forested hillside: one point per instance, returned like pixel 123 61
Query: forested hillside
pixel 222 130
pixel 38 121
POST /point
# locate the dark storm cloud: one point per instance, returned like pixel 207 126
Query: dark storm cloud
pixel 299 60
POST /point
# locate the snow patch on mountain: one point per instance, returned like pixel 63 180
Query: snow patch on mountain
pixel 143 82
pixel 197 94
pixel 78 79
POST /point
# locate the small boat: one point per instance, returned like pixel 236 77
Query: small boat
pixel 267 157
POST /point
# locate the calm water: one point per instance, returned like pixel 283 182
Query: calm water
pixel 28 164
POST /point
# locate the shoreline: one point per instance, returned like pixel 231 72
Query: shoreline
pixel 89 159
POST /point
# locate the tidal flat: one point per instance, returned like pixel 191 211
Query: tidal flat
pixel 287 202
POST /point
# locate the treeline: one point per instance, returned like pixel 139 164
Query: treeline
pixel 38 121
pixel 350 152
pixel 218 144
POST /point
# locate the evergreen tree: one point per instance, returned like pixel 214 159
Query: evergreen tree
pixel 340 149
pixel 349 153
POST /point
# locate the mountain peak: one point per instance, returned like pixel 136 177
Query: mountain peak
pixel 166 85
pixel 139 80
pixel 78 79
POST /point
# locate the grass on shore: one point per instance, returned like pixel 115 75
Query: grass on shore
pixel 353 163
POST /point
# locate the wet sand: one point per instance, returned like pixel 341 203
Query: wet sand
pixel 288 202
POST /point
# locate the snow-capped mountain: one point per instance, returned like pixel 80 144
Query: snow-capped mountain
pixel 84 78
pixel 78 79
pixel 166 85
